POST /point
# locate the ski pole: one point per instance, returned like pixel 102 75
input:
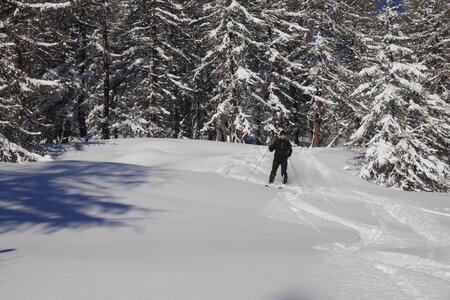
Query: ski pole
pixel 258 164
pixel 296 175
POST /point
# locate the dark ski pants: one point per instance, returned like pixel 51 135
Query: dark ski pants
pixel 277 161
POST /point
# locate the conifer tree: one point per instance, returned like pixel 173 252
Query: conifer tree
pixel 429 34
pixel 399 128
pixel 59 108
pixel 331 40
pixel 229 64
pixel 154 55
pixel 182 108
pixel 285 71
pixel 25 82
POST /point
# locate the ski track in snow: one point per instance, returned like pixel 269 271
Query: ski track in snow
pixel 382 243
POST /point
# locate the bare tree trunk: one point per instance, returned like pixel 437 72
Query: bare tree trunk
pixel 272 80
pixel 152 101
pixel 106 88
pixel 66 132
pixel 231 128
pixel 317 121
pixel 221 131
pixel 81 115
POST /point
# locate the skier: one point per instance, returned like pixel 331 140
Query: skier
pixel 283 150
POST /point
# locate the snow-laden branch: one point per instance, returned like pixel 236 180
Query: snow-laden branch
pixel 40 82
pixel 37 43
pixel 235 6
pixel 42 6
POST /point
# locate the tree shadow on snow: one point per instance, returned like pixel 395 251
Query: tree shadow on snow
pixel 68 194
pixel 55 151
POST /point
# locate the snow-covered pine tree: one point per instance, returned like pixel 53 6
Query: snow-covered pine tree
pixel 332 45
pixel 341 117
pixel 107 57
pixel 285 72
pixel 121 66
pixel 11 152
pixel 81 72
pixel 231 64
pixel 435 44
pixel 85 65
pixel 98 25
pixel 429 30
pixel 76 70
pixel 61 112
pixel 181 108
pixel 400 123
pixel 201 84
pixel 153 54
pixel 25 82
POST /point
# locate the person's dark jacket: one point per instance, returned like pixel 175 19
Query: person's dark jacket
pixel 282 148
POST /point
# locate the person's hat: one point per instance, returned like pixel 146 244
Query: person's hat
pixel 282 132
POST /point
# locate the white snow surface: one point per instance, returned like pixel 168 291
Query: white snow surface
pixel 178 219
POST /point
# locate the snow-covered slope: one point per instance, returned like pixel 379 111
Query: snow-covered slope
pixel 180 219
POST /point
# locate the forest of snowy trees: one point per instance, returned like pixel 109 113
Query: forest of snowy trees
pixel 371 75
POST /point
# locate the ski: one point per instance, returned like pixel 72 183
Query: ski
pixel 279 187
pixel 285 187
